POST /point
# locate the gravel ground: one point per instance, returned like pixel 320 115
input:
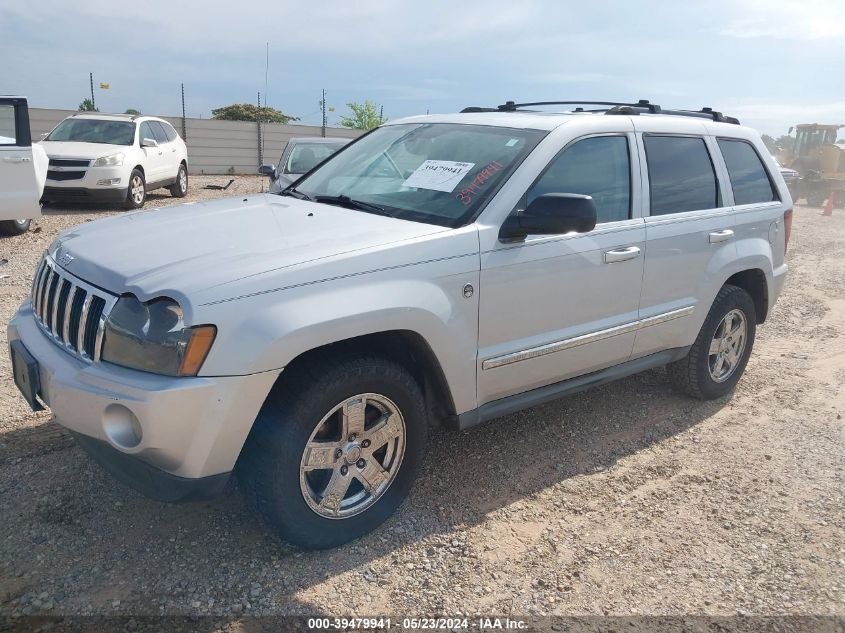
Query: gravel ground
pixel 627 499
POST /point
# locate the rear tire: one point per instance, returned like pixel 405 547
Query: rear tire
pixel 334 450
pixel 14 227
pixel 718 357
pixel 179 189
pixel 136 194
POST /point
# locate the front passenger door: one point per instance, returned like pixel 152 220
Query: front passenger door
pixel 154 164
pixel 555 307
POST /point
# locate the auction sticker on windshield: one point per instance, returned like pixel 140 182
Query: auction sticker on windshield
pixel 438 175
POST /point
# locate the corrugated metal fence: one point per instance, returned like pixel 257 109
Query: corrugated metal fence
pixel 215 147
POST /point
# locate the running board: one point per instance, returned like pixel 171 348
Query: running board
pixel 541 395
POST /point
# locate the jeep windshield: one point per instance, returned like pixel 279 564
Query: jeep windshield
pixel 94 131
pixel 437 173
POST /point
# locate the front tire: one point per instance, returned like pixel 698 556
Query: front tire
pixel 14 227
pixel 718 357
pixel 179 189
pixel 334 450
pixel 136 194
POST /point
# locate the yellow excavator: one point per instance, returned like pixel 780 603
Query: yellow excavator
pixel 819 161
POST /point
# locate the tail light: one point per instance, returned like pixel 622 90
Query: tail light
pixel 787 228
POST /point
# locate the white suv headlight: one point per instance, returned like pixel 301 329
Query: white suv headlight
pixel 151 336
pixel 112 160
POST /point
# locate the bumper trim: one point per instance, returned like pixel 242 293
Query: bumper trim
pixel 83 194
pixel 147 479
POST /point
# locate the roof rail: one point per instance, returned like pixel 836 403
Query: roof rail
pixel 131 117
pixel 510 106
pixel 643 106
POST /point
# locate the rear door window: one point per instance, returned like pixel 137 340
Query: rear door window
pixel 680 174
pixel 749 179
pixel 171 133
pixel 158 130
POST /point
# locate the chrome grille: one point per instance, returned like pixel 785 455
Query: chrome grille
pixel 71 312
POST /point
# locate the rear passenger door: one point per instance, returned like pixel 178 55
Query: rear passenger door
pixel 689 235
pixel 170 156
pixel 21 180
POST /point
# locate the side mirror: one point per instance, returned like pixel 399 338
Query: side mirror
pixel 268 170
pixel 44 135
pixel 149 142
pixel 551 214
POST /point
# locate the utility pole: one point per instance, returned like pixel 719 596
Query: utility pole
pixel 381 115
pixel 325 120
pixel 91 80
pixel 184 125
pixel 258 119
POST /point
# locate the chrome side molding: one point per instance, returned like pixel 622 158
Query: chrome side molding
pixel 559 346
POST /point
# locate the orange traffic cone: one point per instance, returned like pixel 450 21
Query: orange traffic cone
pixel 828 206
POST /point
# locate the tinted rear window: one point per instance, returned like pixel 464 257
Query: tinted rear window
pixel 749 179
pixel 680 174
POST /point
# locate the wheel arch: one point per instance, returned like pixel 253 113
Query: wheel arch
pixel 753 281
pixel 404 347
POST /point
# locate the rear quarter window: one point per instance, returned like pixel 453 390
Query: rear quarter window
pixel 750 181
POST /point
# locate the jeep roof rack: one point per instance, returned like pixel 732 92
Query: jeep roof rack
pixel 643 106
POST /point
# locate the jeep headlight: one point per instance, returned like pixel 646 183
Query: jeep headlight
pixel 112 160
pixel 151 336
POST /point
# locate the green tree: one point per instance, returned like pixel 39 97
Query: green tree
pixel 87 106
pixel 365 116
pixel 251 112
pixel 132 111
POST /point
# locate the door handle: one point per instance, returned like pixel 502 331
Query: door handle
pixel 621 254
pixel 721 236
pixel 17 159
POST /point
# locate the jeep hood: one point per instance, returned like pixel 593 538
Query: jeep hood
pixel 189 248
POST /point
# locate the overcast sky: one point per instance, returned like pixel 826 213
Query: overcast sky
pixel 772 63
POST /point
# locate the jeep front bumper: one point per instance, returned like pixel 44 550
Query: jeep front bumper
pixel 170 438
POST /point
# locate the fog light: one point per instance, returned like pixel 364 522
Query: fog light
pixel 121 426
pixel 109 181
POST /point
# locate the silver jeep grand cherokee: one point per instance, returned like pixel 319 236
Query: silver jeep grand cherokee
pixel 438 270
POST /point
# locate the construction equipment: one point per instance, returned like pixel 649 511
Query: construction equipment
pixel 819 160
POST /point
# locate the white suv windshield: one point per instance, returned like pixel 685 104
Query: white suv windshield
pixel 94 131
pixel 438 173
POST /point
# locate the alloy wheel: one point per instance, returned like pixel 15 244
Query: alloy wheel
pixel 137 189
pixel 727 346
pixel 352 456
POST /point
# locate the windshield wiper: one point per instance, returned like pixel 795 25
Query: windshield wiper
pixel 350 203
pixel 295 193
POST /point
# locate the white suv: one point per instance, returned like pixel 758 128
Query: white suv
pixel 114 158
pixel 444 269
